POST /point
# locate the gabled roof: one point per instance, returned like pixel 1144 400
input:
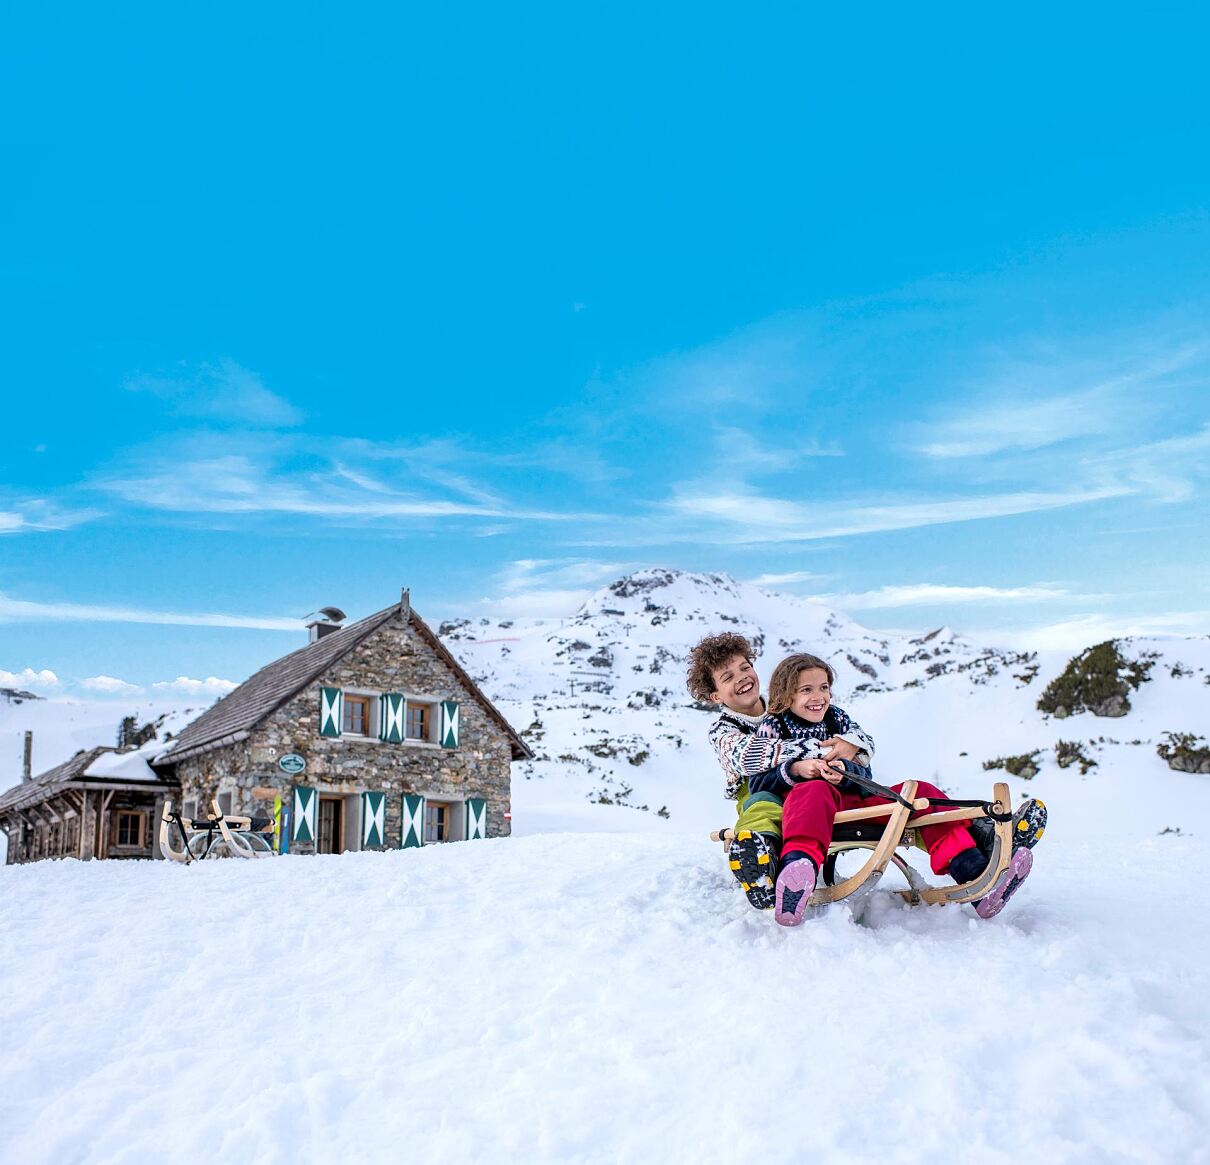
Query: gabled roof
pixel 237 713
pixel 73 773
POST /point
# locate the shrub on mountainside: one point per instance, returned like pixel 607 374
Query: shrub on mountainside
pixel 1184 752
pixel 1071 752
pixel 1024 766
pixel 1098 680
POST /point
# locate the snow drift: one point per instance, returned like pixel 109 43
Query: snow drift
pixel 596 998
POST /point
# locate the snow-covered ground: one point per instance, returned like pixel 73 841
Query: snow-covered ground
pixel 596 989
pixel 578 997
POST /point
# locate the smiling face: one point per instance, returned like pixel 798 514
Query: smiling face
pixel 812 694
pixel 737 686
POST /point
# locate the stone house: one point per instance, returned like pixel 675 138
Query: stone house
pixel 102 803
pixel 372 736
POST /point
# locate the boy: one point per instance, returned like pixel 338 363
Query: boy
pixel 759 770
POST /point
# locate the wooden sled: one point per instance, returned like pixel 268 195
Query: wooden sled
pixel 220 836
pixel 883 829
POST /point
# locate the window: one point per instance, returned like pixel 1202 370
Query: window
pixel 357 715
pixel 418 720
pixel 130 829
pixel 436 822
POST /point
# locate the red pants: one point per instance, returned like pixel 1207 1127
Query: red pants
pixel 810 809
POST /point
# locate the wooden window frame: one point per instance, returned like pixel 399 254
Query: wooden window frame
pixel 426 709
pixel 141 816
pixel 366 702
pixel 448 807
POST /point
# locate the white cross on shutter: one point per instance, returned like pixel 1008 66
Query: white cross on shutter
pixel 476 817
pixel 413 821
pixel 373 812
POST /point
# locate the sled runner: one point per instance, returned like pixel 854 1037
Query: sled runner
pixel 882 829
pixel 220 836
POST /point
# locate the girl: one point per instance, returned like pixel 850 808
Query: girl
pixel 800 708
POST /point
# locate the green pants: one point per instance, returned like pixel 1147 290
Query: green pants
pixel 761 813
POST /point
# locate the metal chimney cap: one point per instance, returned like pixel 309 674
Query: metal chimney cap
pixel 335 614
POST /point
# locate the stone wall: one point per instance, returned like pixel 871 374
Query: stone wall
pixel 395 658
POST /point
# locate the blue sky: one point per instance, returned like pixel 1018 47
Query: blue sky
pixel 903 309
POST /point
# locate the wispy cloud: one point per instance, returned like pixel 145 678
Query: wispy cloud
pixel 934 594
pixel 744 452
pixel 750 516
pixel 1083 630
pixel 28 678
pixel 232 475
pixel 210 686
pixel 1164 470
pixel 25 611
pixel 110 686
pixel 786 578
pixel 36 514
pixel 224 390
pixel 1055 396
pixel 547 588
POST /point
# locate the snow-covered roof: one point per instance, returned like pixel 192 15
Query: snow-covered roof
pixel 91 766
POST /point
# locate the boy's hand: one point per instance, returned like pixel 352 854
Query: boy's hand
pixel 841 749
pixel 827 770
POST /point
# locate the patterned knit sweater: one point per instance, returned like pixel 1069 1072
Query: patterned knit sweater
pixel 789 729
pixel 755 761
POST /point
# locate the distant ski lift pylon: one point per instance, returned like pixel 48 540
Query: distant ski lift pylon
pixel 595 682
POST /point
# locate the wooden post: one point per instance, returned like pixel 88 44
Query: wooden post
pixel 83 855
pixel 102 833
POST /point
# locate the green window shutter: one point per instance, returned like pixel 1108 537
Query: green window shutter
pixel 449 724
pixel 413 820
pixel 305 804
pixel 476 817
pixel 390 718
pixel 373 812
pixel 331 710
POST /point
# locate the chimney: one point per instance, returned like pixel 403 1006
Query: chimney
pixel 325 621
pixel 405 601
pixel 27 765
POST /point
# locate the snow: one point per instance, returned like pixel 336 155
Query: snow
pixel 126 766
pixel 595 988
pixel 580 997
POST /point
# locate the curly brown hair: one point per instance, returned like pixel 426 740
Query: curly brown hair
pixel 784 679
pixel 712 652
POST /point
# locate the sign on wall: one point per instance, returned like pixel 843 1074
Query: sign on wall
pixel 292 763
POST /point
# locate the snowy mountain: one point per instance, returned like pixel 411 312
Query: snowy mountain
pixel 601 699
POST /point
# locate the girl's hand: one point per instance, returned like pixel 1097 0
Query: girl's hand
pixel 827 770
pixel 841 749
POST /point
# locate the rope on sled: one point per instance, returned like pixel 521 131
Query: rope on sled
pixel 877 790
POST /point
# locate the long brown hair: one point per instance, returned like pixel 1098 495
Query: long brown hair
pixel 784 680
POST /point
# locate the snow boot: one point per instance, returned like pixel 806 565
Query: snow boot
pixel 1029 823
pixel 753 861
pixel 794 886
pixel 1007 884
